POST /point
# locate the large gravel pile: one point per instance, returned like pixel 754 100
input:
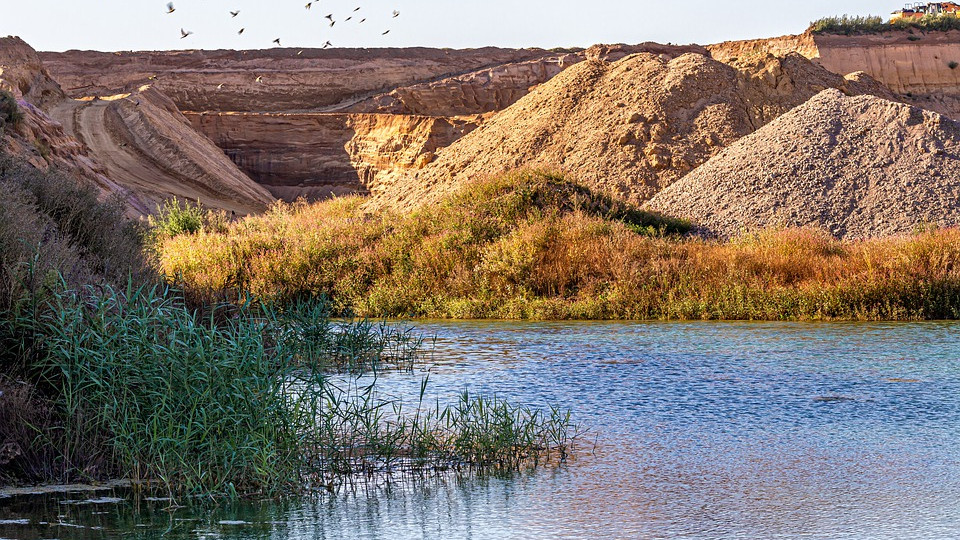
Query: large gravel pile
pixel 627 128
pixel 857 167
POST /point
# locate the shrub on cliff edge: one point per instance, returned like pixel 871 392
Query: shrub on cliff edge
pixel 10 113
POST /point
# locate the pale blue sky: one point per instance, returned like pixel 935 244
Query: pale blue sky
pixel 143 24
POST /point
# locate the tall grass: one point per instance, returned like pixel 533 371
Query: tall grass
pixel 530 246
pixel 102 376
pixel 142 388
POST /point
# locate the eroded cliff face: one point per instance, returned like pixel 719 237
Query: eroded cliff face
pixel 917 66
pixel 318 155
pixel 289 79
pixel 23 74
pixel 477 92
pixel 914 65
pixel 729 51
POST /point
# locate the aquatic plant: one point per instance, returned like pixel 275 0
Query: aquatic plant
pixel 141 387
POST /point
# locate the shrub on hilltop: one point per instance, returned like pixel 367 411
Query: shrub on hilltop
pixel 872 24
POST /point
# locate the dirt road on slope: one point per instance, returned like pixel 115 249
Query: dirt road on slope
pixel 148 147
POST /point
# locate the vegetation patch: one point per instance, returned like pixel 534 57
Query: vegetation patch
pixel 531 246
pixel 872 24
pixel 104 374
pixel 10 113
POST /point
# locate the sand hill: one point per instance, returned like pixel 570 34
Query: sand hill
pixel 855 166
pixel 629 127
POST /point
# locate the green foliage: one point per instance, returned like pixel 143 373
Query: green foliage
pixel 175 217
pixel 10 113
pixel 245 401
pixel 852 25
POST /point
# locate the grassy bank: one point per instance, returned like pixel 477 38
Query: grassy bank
pixel 105 374
pixel 529 245
pixel 853 25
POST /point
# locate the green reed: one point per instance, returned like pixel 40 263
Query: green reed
pixel 254 399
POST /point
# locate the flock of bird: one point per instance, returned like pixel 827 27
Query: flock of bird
pixel 309 5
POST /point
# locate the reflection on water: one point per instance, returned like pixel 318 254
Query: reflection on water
pixel 702 430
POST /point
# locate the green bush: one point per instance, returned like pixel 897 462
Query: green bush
pixel 174 218
pixel 10 113
pixel 872 24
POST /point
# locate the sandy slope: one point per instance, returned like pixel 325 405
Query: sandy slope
pixel 147 146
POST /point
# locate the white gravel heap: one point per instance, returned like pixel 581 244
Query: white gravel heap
pixel 857 167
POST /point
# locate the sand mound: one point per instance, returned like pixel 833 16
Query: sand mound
pixel 627 128
pixel 855 166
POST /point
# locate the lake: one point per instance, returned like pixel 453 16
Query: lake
pixel 696 430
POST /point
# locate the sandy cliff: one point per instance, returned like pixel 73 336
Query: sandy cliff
pixel 290 79
pixel 146 144
pixel 915 65
pixel 316 155
pixel 134 145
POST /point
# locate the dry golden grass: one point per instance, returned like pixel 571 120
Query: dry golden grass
pixel 528 245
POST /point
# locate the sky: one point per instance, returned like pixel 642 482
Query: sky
pixel 114 25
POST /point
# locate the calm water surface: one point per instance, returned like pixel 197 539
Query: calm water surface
pixel 701 430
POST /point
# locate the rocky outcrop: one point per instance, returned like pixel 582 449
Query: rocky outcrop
pixel 856 167
pixel 23 74
pixel 289 79
pixel 316 155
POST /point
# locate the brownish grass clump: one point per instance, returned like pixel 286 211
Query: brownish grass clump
pixel 529 245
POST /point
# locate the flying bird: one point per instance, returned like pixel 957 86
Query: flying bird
pixel 332 23
pixel 348 18
pixel 299 52
pixel 356 9
pixel 170 8
pixel 260 79
pixel 184 33
pixel 362 21
pixel 277 41
pixel 328 16
pixel 327 44
pixel 385 33
pixel 241 31
pixel 220 86
pixel 396 14
pixel 234 13
pixel 309 5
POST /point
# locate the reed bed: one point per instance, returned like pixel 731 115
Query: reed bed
pixel 529 245
pixel 247 402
